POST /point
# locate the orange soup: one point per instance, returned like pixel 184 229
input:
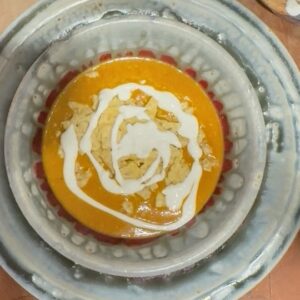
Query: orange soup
pixel 133 148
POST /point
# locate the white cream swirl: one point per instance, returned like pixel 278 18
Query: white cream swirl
pixel 140 139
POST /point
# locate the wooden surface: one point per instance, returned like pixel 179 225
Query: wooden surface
pixel 283 282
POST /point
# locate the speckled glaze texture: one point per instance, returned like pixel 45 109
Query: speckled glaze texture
pixel 272 221
pixel 225 79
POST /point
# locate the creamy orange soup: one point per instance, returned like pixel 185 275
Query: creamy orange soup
pixel 133 206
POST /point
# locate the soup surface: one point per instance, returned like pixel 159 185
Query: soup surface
pixel 133 148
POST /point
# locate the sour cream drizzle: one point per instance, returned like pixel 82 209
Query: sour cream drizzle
pixel 140 140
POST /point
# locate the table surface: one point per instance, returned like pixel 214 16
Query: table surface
pixel 283 282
